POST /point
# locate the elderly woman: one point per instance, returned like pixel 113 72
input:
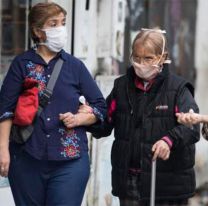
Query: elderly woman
pixel 141 110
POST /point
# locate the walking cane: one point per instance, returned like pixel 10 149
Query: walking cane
pixel 153 182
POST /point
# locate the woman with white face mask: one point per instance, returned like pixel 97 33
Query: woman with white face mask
pixel 141 110
pixel 52 166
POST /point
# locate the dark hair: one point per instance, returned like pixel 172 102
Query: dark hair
pixel 40 13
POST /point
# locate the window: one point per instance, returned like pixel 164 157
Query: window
pixel 13 31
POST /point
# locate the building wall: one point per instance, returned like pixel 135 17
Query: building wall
pixel 202 86
pixel 102 39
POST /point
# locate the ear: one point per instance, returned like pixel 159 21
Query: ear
pixel 164 57
pixel 39 34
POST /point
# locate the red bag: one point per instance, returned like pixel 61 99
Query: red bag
pixel 27 104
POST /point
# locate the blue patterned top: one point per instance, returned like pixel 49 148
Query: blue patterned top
pixel 51 140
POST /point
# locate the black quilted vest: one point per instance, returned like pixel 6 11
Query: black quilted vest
pixel 175 177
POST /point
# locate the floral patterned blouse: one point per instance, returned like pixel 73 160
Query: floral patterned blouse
pixel 51 140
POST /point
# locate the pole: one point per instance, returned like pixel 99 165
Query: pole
pixel 73 27
pixel 87 4
pixel 153 182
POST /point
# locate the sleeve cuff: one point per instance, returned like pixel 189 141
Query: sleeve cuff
pixel 168 141
pixel 98 114
pixel 6 115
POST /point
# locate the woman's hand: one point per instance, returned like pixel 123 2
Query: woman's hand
pixel 70 120
pixel 161 150
pixel 85 109
pixel 5 128
pixel 189 118
pixel 82 118
pixel 4 161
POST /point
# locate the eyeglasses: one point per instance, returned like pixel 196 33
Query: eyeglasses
pixel 144 60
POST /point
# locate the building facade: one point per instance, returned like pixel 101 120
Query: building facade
pixel 100 33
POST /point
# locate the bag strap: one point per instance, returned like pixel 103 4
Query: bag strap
pixel 47 93
pixel 54 75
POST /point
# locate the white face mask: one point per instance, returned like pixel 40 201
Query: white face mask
pixel 56 38
pixel 146 72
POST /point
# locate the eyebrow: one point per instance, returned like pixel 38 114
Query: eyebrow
pixel 56 19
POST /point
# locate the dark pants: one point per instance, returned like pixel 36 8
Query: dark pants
pixel 47 183
pixel 129 202
pixel 132 196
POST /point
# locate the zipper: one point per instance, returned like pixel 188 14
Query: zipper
pixel 129 100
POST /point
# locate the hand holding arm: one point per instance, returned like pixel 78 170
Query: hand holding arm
pixel 85 109
pixel 191 118
pixel 80 119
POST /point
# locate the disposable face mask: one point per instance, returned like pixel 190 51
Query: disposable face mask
pixel 146 72
pixel 56 38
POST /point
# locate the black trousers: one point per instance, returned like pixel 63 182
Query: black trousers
pixel 129 202
pixel 132 196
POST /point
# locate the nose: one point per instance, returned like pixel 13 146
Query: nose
pixel 142 60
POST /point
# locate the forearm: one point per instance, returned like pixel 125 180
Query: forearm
pixel 85 119
pixel 5 128
pixel 204 118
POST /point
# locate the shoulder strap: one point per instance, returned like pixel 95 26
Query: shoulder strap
pixel 55 74
pixel 25 132
pixel 47 93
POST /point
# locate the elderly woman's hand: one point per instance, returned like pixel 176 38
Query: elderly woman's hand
pixel 161 150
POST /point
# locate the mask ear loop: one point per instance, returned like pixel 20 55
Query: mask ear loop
pixel 155 30
pixel 131 59
pixel 167 61
pixel 163 50
pixel 42 43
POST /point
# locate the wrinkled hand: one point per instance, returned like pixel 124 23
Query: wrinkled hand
pixel 4 161
pixel 189 118
pixel 85 109
pixel 70 120
pixel 161 150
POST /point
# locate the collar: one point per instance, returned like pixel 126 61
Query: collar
pixel 34 57
pixel 153 84
pixel 143 85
